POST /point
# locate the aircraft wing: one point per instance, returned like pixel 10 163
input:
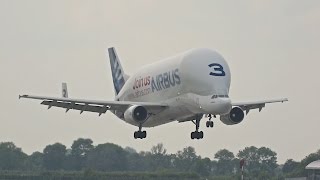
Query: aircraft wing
pixel 247 106
pixel 94 105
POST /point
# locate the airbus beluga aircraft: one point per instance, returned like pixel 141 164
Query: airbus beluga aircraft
pixel 181 88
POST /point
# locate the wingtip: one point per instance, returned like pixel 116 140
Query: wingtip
pixel 22 96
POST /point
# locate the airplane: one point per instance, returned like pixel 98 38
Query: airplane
pixel 183 88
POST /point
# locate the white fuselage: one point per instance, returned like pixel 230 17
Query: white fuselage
pixel 194 82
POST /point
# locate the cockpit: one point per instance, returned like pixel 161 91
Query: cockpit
pixel 219 96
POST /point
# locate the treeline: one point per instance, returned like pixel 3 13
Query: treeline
pixel 105 160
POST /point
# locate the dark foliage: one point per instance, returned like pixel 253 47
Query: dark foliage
pixel 110 161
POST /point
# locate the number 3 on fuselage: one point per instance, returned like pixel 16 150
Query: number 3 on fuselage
pixel 218 69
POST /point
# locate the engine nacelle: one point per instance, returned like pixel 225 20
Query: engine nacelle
pixel 235 116
pixel 136 114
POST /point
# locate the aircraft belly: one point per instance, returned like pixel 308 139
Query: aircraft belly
pixel 169 115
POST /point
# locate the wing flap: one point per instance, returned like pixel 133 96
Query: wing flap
pixel 259 102
pixel 247 106
pixel 94 105
pixel 77 106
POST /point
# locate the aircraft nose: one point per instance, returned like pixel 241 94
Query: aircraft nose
pixel 224 105
pixel 217 106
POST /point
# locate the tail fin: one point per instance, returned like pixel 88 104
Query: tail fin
pixel 64 90
pixel 118 76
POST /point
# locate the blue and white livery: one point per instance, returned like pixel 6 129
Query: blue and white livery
pixel 185 87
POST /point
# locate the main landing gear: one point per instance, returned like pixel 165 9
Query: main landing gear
pixel 197 134
pixel 209 123
pixel 140 134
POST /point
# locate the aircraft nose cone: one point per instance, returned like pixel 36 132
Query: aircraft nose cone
pixel 217 106
pixel 224 105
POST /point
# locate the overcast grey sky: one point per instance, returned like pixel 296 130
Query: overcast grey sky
pixel 272 48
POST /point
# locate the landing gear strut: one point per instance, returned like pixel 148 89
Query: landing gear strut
pixel 140 134
pixel 196 134
pixel 209 123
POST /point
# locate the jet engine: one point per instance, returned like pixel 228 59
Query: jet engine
pixel 235 116
pixel 136 114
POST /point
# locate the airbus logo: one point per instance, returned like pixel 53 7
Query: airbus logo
pixel 161 81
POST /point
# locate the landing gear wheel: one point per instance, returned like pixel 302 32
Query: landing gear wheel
pixel 209 124
pixel 197 135
pixel 140 134
pixel 193 135
pixel 200 135
pixel 143 134
pixel 135 135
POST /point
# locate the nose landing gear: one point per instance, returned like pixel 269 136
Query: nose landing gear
pixel 210 123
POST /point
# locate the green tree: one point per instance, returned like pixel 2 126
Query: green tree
pixel 290 166
pixel 130 150
pixel 54 156
pixel 11 157
pixel 305 161
pixel 158 150
pixel 137 162
pixel 35 161
pixel 81 147
pixel 267 159
pixel 310 158
pixel 107 157
pixel 134 161
pixel 79 153
pixel 259 160
pixel 203 167
pixel 158 159
pixel 225 162
pixel 185 160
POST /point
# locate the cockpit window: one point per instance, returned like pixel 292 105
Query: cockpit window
pixel 214 96
pixel 222 96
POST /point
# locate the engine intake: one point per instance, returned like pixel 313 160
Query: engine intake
pixel 235 116
pixel 136 113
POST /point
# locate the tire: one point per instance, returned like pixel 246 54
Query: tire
pixel 197 135
pixel 211 123
pixel 192 135
pixel 143 134
pixel 200 134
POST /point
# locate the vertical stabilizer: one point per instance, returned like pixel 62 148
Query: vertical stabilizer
pixel 64 90
pixel 118 76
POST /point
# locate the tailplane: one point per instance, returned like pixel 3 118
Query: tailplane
pixel 118 76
